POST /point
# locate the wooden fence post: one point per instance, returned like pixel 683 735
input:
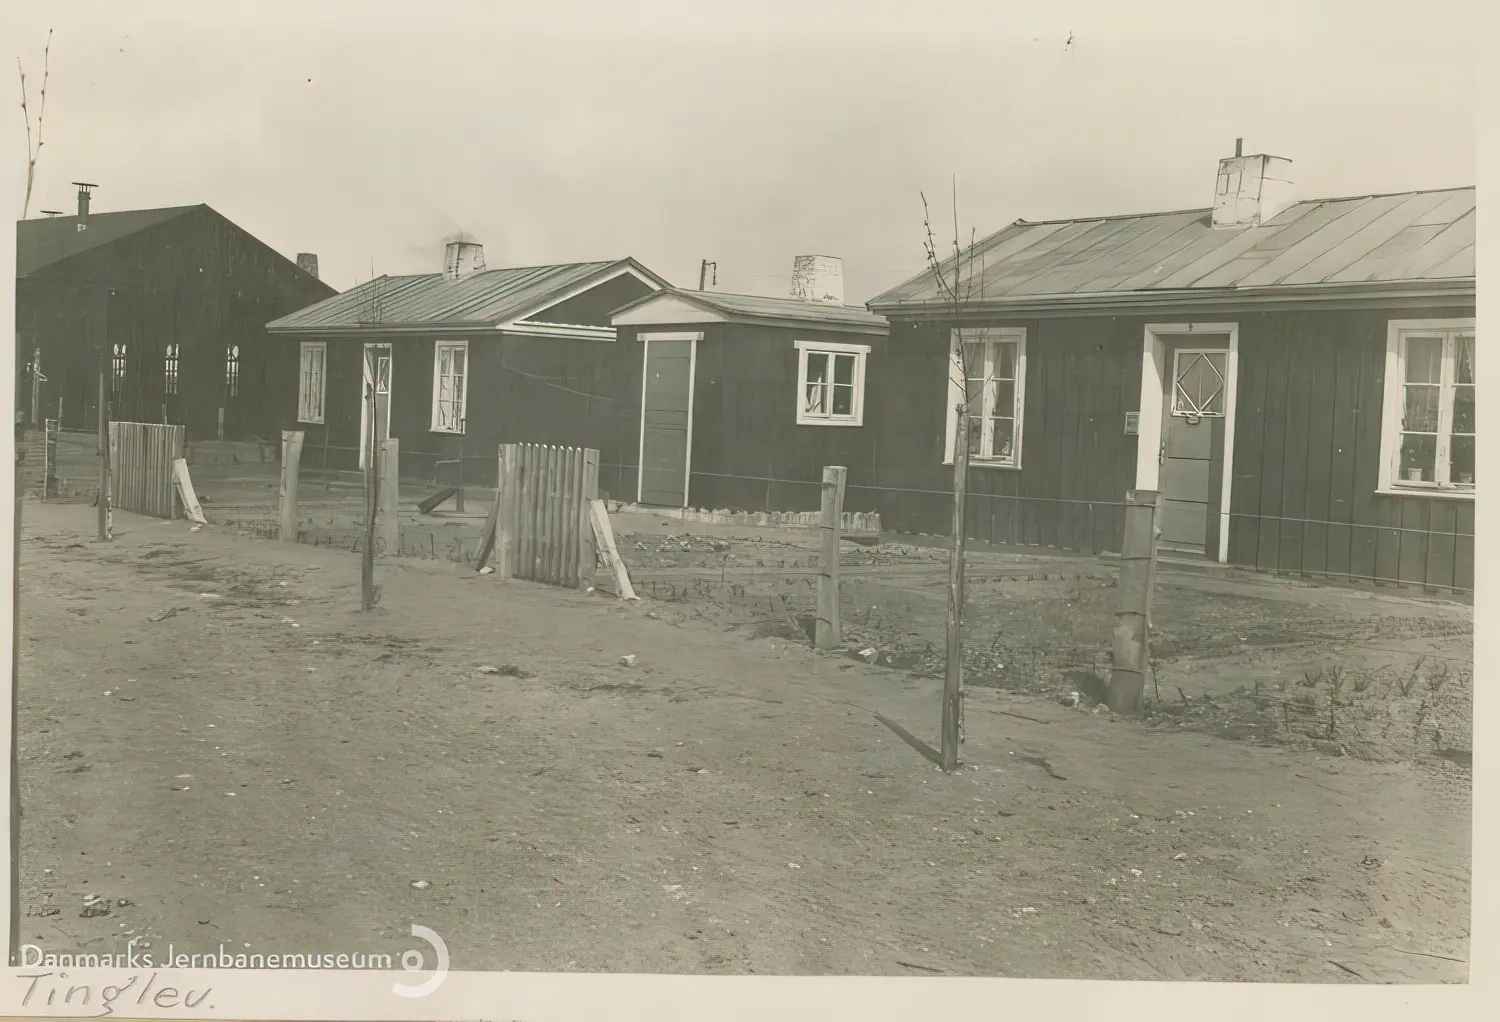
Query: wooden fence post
pixel 104 521
pixel 1127 682
pixel 588 549
pixel 49 461
pixel 367 553
pixel 291 467
pixel 828 629
pixel 507 500
pixel 390 496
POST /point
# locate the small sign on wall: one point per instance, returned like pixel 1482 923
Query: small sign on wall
pixel 1132 423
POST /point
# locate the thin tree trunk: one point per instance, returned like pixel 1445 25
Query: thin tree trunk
pixel 953 674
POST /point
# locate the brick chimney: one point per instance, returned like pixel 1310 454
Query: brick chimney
pixel 462 256
pixel 308 261
pixel 818 278
pixel 1251 189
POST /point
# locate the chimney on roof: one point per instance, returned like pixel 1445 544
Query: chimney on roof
pixel 818 278
pixel 84 191
pixel 462 255
pixel 1251 190
pixel 308 261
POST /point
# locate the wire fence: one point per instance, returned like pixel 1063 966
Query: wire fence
pixel 1235 654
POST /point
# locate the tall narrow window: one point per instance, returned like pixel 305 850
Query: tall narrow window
pixel 117 368
pixel 449 386
pixel 1428 439
pixel 232 371
pixel 831 383
pixel 310 389
pixel 988 371
pixel 172 364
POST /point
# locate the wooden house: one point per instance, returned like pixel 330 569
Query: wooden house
pixel 1294 378
pixel 169 304
pixel 736 402
pixel 461 361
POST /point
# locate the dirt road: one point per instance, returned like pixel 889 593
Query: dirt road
pixel 217 741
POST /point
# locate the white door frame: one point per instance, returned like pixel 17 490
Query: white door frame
pixel 1153 406
pixel 693 337
pixel 366 374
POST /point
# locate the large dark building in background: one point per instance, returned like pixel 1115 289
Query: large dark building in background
pixel 170 304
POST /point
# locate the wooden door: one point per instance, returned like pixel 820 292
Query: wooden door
pixel 666 421
pixel 1192 448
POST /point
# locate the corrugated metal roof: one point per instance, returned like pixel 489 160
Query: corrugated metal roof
pixel 42 242
pixel 1357 243
pixel 792 310
pixel 482 299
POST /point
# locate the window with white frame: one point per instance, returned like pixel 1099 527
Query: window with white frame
pixel 450 381
pixel 1427 442
pixel 117 368
pixel 830 383
pixel 232 370
pixel 311 387
pixel 987 369
pixel 173 367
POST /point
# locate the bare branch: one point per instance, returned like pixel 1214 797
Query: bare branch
pixel 34 150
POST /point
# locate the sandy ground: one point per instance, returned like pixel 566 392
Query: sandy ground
pixel 269 767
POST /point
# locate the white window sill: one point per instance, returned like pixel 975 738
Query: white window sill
pixel 1424 491
pixel 828 422
pixel 446 432
pixel 309 422
pixel 982 463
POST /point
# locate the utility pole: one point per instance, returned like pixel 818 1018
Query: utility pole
pixel 372 475
pixel 703 274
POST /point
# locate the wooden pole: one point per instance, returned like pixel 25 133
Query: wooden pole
pixel 458 498
pixel 390 496
pixel 828 629
pixel 103 459
pixel 367 559
pixel 505 514
pixel 291 468
pixel 15 731
pixel 952 732
pixel 49 469
pixel 588 547
pixel 1127 682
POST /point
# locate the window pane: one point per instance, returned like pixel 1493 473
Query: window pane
pixel 1005 360
pixel 1424 359
pixel 458 361
pixel 843 399
pixel 1004 398
pixel 1463 369
pixel 974 358
pixel 1421 409
pixel 817 367
pixel 1461 461
pixel 1418 458
pixel 843 370
pixel 976 437
pixel 1005 435
pixel 815 400
pixel 1463 409
pixel 975 395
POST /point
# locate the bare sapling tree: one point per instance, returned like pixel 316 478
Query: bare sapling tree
pixel 34 142
pixel 955 280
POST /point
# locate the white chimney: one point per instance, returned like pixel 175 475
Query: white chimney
pixel 1251 189
pixel 818 278
pixel 462 255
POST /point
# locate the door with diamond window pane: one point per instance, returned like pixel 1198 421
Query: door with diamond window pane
pixel 1192 447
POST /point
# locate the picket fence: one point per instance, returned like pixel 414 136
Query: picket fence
pixel 141 455
pixel 542 531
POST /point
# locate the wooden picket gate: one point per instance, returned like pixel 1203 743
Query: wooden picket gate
pixel 541 523
pixel 141 455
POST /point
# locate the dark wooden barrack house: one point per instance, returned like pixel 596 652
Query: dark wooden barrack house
pixel 462 361
pixel 1295 378
pixel 171 304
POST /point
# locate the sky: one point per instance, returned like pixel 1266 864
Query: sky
pixel 742 133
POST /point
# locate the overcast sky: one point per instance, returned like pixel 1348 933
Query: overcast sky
pixel 744 133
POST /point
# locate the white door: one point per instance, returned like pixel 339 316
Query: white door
pixel 377 374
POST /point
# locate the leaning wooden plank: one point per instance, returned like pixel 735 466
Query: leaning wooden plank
pixel 492 523
pixel 185 490
pixel 431 503
pixel 604 535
